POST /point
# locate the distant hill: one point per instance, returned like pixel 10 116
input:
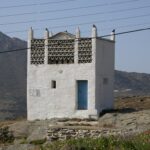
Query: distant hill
pixel 13 79
pixel 132 83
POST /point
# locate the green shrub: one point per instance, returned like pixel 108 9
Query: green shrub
pixel 140 142
pixel 6 136
pixel 38 142
pixel 23 140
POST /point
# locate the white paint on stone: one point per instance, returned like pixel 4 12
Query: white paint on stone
pixel 78 32
pixel 44 102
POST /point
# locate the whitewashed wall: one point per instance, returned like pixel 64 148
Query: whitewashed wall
pixel 44 102
pixel 104 70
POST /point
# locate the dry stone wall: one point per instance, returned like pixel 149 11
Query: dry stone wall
pixel 55 134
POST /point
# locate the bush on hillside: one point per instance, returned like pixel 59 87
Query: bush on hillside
pixel 140 142
pixel 6 136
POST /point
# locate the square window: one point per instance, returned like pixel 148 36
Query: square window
pixel 105 80
pixel 53 84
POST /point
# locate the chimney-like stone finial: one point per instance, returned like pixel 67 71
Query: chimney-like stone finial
pixel 50 34
pixel 46 33
pixel 112 37
pixel 78 33
pixel 30 34
pixel 94 31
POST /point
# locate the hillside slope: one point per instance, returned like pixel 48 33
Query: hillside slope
pixel 12 77
pixel 132 83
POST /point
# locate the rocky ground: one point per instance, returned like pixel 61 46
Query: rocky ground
pixel 131 116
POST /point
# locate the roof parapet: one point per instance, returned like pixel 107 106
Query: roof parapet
pixel 112 37
pixel 30 34
pixel 94 31
pixel 46 35
pixel 50 34
pixel 78 33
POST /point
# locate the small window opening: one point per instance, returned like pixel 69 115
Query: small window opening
pixel 105 80
pixel 53 84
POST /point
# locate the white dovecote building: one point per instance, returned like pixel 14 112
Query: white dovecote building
pixel 69 75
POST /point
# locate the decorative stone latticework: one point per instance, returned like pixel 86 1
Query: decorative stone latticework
pixel 85 50
pixel 61 51
pixel 37 51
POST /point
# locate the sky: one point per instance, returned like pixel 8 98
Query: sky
pixel 132 50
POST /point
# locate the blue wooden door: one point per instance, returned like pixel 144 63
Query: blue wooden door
pixel 82 94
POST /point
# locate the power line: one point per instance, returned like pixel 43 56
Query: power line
pixel 124 26
pixel 114 11
pixel 15 50
pixel 51 11
pixel 80 24
pixel 129 25
pixel 34 4
pixel 19 14
pixel 124 2
pixel 99 21
pixel 75 16
pixel 91 14
pixel 74 8
pixel 132 17
pixel 127 32
pixel 119 27
pixel 119 33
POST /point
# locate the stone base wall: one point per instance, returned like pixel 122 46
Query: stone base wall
pixel 55 134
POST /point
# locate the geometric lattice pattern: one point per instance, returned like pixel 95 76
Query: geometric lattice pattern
pixel 61 51
pixel 37 51
pixel 85 50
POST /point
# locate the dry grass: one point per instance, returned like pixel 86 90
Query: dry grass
pixel 9 122
pixel 6 123
pixel 133 102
